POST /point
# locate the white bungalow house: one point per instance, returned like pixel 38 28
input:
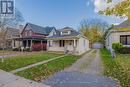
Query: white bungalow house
pixel 119 34
pixel 67 40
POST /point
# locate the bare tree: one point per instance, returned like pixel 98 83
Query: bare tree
pixel 9 22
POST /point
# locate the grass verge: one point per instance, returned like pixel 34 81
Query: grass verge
pixel 43 71
pixel 13 63
pixel 113 68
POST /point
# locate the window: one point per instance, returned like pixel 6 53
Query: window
pixel 65 32
pixel 30 33
pixel 125 39
pixel 62 43
pixel 26 34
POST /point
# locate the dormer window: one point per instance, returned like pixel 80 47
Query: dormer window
pixel 61 33
pixel 69 32
pixel 65 33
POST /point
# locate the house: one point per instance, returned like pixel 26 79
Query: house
pixel 6 38
pixel 33 37
pixel 67 40
pixel 119 34
pixel 10 34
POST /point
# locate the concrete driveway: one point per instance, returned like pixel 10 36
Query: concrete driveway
pixel 86 72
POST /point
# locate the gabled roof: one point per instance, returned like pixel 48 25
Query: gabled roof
pixel 125 26
pixel 66 29
pixel 39 29
pixel 12 31
pixel 73 33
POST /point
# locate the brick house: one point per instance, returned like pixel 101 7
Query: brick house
pixel 33 37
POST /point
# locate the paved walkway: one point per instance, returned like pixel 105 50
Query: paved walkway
pixel 82 63
pixel 36 64
pixel 7 56
pixel 10 80
pixel 75 79
pixel 86 72
pixel 95 67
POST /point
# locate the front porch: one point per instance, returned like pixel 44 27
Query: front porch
pixel 63 45
pixel 32 44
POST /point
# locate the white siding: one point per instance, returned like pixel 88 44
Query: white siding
pixel 82 45
pixel 114 38
pixel 56 47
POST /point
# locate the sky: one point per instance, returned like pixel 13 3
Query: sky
pixel 62 13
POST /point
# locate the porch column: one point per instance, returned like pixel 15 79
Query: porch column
pixel 48 41
pixel 14 43
pixel 74 46
pixel 19 43
pixel 42 45
pixel 27 43
pixel 31 46
pixel 41 42
pixel 74 43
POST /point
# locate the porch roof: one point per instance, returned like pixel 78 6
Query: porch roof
pixel 29 38
pixel 62 37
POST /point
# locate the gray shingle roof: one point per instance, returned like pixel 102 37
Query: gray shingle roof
pixel 13 31
pixel 40 29
pixel 125 24
pixel 72 34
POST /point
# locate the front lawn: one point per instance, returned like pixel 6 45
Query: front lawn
pixel 13 63
pixel 43 71
pixel 124 60
pixel 116 67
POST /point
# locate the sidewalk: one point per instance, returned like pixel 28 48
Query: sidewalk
pixel 10 80
pixel 7 56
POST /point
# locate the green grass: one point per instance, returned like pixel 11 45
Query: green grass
pixel 124 60
pixel 43 71
pixel 113 68
pixel 13 63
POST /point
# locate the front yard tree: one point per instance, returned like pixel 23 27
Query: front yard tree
pixel 121 9
pixel 93 29
pixel 9 22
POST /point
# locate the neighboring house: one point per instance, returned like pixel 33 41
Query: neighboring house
pixel 10 34
pixel 33 37
pixel 119 34
pixel 67 40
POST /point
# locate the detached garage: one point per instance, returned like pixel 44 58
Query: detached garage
pixel 97 45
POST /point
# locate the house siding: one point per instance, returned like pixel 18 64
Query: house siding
pixel 82 45
pixel 114 38
pixel 27 33
pixel 55 46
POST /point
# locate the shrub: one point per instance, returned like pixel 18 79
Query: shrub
pixel 116 47
pixel 26 49
pixel 39 47
pixel 124 50
pixel 16 49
